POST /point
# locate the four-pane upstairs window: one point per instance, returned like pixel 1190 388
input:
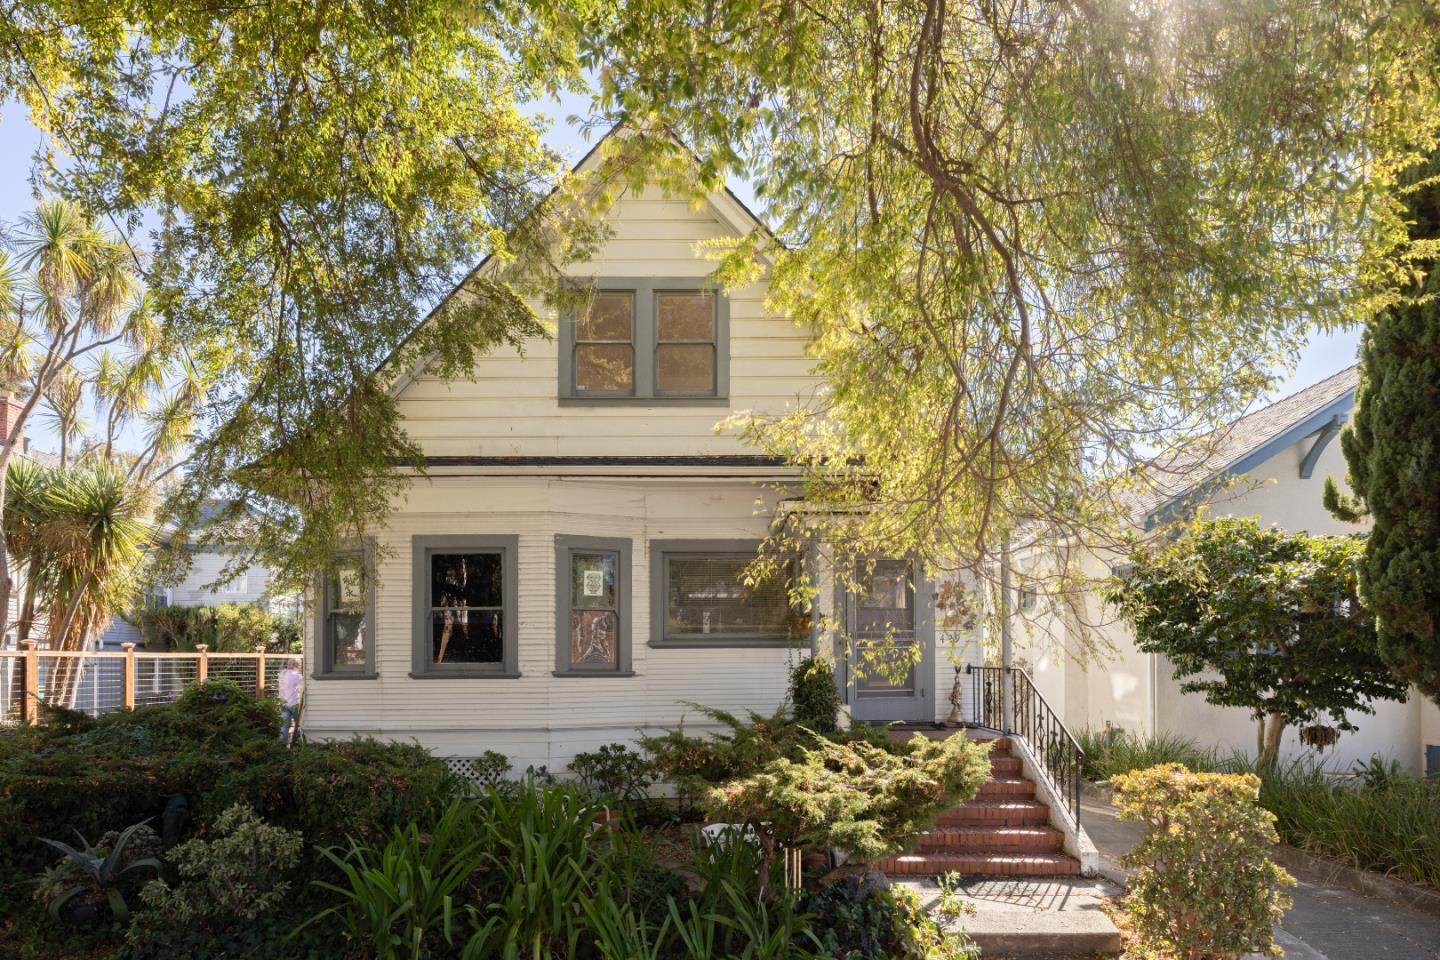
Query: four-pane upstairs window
pixel 653 341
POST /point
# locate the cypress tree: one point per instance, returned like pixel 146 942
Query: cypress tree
pixel 1392 451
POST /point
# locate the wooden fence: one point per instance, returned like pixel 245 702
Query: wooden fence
pixel 97 682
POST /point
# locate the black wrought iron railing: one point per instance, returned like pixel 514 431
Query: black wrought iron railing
pixel 1030 718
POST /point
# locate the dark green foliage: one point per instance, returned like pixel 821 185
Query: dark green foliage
pixel 614 772
pixel 854 920
pixel 814 696
pixel 1258 618
pixel 1112 752
pixel 94 878
pixel 1392 449
pixel 491 768
pixel 224 628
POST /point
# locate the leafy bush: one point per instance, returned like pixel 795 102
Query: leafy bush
pixel 814 695
pixel 859 919
pixel 866 800
pixel 225 884
pixel 224 627
pixel 1204 885
pixel 491 769
pixel 1109 753
pixel 614 772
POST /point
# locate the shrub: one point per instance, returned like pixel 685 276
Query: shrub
pixel 614 772
pixel 224 627
pixel 225 884
pixel 861 919
pixel 1112 752
pixel 1204 884
pixel 868 801
pixel 491 769
pixel 814 696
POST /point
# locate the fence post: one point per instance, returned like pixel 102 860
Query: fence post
pixel 127 685
pixel 259 671
pixel 202 669
pixel 30 685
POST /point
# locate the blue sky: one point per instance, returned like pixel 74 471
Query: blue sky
pixel 1322 356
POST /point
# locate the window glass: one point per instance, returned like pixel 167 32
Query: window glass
pixel 467 614
pixel 345 615
pixel 604 345
pixel 594 609
pixel 686 316
pixel 685 347
pixel 706 598
pixel 687 367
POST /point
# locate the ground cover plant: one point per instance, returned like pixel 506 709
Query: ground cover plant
pixel 1112 752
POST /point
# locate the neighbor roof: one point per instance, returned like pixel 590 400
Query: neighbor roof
pixel 1239 447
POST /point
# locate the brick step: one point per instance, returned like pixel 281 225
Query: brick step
pixel 998 747
pixel 1005 766
pixel 996 813
pixel 991 840
pixel 982 864
pixel 1006 788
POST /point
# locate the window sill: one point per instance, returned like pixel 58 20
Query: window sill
pixel 592 674
pixel 737 643
pixel 666 401
pixel 467 675
pixel 342 675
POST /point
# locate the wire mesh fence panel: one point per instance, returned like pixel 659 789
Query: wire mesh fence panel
pixel 11 681
pixel 241 670
pixel 274 666
pixel 162 679
pixel 98 688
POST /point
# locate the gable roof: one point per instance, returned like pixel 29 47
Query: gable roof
pixel 733 211
pixel 1246 443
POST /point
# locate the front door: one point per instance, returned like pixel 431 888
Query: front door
pixel 890 666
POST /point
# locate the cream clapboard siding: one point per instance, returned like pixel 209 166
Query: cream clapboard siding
pixel 511 408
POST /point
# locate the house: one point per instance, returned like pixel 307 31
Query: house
pixel 566 573
pixel 1270 464
pixel 196 587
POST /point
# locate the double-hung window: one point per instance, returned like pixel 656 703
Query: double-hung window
pixel 592 603
pixel 651 340
pixel 465 606
pixel 344 621
pixel 701 597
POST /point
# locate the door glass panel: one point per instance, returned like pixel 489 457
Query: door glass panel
pixel 883 625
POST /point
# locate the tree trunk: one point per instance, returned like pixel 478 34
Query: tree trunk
pixel 1270 742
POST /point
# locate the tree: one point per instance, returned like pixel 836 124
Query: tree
pixel 316 173
pixel 1392 449
pixel 79 332
pixel 1036 241
pixel 1261 619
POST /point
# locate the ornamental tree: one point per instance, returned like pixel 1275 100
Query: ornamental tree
pixel 1036 240
pixel 1392 449
pixel 1257 618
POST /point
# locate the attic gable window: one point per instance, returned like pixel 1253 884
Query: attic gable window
pixel 647 341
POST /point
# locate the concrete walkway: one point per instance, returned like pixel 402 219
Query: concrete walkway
pixel 1326 923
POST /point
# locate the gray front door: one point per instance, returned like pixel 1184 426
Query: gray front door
pixel 890 663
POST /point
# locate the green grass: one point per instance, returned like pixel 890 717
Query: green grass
pixel 1389 824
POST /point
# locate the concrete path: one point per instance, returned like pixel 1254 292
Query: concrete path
pixel 1326 923
pixel 1031 916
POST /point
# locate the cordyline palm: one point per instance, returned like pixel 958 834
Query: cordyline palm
pixel 80 534
pixel 70 294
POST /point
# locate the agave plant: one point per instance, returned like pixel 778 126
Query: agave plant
pixel 100 872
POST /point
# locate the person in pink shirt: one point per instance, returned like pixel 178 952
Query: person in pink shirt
pixel 291 680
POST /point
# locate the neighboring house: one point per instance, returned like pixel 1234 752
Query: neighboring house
pixel 197 589
pixel 566 573
pixel 9 411
pixel 1272 464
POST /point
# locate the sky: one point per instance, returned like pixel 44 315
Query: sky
pixel 1323 355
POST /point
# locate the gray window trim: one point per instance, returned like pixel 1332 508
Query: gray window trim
pixel 659 549
pixel 421 549
pixel 565 546
pixel 645 341
pixel 324 666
